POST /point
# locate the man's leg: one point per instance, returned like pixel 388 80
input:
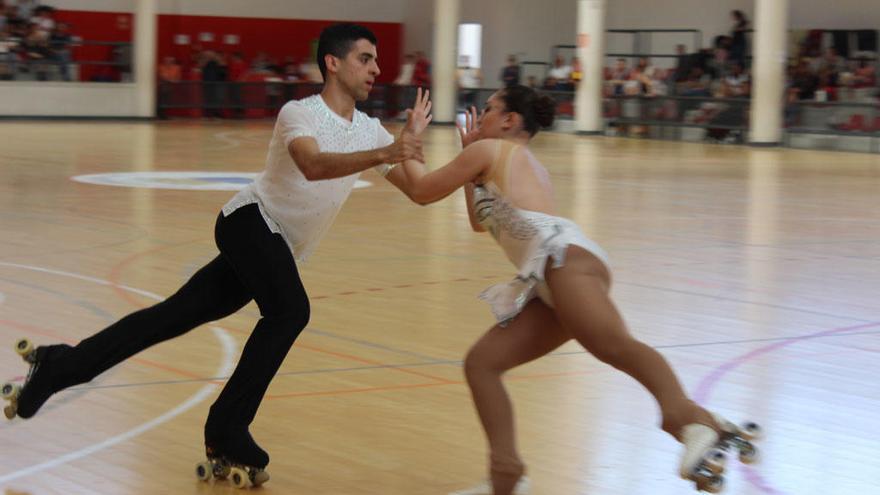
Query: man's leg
pixel 210 294
pixel 265 264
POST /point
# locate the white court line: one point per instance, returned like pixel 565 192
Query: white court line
pixel 229 349
pixel 229 141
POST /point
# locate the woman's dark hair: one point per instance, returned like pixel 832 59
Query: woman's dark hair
pixel 537 110
pixel 740 15
pixel 338 39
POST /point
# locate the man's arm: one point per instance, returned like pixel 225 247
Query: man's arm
pixel 317 165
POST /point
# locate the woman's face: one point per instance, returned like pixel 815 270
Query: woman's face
pixel 495 119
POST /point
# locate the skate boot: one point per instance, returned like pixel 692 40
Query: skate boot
pixel 25 400
pixel 234 456
pixel 485 488
pixel 705 451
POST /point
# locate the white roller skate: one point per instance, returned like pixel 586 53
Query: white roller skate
pixel 705 451
pixel 485 488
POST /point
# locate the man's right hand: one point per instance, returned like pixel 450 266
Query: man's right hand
pixel 408 146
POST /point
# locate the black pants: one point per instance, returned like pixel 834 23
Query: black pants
pixel 253 264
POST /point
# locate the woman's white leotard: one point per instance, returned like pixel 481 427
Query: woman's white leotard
pixel 529 239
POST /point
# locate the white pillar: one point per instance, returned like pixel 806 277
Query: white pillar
pixel 145 57
pixel 443 63
pixel 768 71
pixel 591 52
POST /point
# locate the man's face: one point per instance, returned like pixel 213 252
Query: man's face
pixel 357 72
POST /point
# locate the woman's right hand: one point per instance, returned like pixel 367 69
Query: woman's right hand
pixel 470 132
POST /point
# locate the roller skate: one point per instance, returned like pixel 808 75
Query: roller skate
pixel 485 488
pixel 239 459
pixel 705 455
pixel 26 399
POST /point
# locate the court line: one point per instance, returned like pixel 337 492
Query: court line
pixel 227 343
pixel 707 384
pixel 459 362
pixel 113 277
pixel 229 347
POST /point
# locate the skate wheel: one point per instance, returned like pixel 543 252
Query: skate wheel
pixel 10 391
pixel 715 461
pixel 713 485
pixel 23 347
pixel 9 411
pixel 748 453
pixel 260 477
pixel 239 478
pixel 751 431
pixel 204 471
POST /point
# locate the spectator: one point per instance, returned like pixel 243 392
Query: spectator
pixel 27 8
pixel 803 82
pixel 618 76
pixel 169 70
pixel 407 69
pixel 60 42
pixel 510 73
pixel 8 47
pixel 237 67
pixel 169 73
pixel 122 58
pixel 697 83
pixel 399 91
pixel 643 74
pixel 829 61
pixel 864 75
pixel 738 42
pixel 719 65
pixel 311 72
pixel 682 65
pixel 422 71
pixel 577 72
pixel 469 81
pixel 43 19
pixel 213 75
pixel 290 71
pixel 236 72
pixel 561 73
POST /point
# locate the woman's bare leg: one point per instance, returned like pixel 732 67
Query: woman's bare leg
pixel 533 333
pixel 584 307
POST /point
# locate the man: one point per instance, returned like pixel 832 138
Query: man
pixel 319 146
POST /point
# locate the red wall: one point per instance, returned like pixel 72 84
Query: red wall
pixel 97 26
pixel 278 38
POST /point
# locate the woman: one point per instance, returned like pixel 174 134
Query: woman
pixel 560 293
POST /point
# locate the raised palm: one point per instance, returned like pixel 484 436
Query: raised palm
pixel 419 116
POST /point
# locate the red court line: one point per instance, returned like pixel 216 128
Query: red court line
pixel 348 391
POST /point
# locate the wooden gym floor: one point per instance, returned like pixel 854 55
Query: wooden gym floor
pixel 755 271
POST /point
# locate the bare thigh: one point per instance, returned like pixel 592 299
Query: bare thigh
pixel 535 332
pixel 580 292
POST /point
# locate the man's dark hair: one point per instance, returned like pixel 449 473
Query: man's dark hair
pixel 338 39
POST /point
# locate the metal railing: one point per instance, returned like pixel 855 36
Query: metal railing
pixel 722 119
pixel 851 126
pixel 97 61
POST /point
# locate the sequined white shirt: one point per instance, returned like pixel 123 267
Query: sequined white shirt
pixel 298 209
